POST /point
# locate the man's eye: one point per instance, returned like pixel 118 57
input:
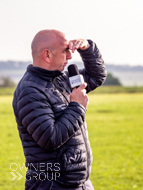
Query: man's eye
pixel 67 49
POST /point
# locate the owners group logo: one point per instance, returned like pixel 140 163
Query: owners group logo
pixel 40 171
pixel 16 170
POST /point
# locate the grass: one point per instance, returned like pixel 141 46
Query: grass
pixel 6 91
pixel 118 89
pixel 102 90
pixel 115 126
pixel 10 147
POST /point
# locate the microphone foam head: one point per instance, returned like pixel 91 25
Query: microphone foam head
pixel 73 70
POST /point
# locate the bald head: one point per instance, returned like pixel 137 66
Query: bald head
pixel 45 39
pixel 50 50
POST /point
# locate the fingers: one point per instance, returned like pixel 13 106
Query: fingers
pixel 70 45
pixel 74 45
pixel 79 95
pixel 78 44
pixel 82 86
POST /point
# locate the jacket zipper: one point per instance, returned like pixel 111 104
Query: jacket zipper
pixel 86 148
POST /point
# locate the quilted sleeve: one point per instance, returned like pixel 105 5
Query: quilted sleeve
pixel 95 71
pixel 36 115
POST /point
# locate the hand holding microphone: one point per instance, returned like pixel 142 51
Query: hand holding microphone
pixel 79 95
pixel 77 83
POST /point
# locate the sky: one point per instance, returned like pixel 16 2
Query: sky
pixel 116 26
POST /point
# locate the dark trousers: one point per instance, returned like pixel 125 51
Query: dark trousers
pixel 34 184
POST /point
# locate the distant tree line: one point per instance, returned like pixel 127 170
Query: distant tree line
pixel 110 80
pixel 7 82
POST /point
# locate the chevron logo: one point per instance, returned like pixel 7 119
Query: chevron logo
pixel 15 176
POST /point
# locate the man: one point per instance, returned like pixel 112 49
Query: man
pixel 51 115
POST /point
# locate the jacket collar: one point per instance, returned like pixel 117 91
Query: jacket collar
pixel 43 73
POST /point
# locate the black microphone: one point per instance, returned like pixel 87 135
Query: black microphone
pixel 75 78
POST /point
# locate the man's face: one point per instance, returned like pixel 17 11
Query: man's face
pixel 60 55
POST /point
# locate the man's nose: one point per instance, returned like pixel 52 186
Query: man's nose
pixel 69 55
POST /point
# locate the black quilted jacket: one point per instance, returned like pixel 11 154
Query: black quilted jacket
pixel 52 129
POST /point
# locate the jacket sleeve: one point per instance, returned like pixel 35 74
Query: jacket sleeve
pixel 95 71
pixel 36 115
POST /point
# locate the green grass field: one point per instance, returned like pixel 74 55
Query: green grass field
pixel 115 125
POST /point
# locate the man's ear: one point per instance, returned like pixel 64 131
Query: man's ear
pixel 46 55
